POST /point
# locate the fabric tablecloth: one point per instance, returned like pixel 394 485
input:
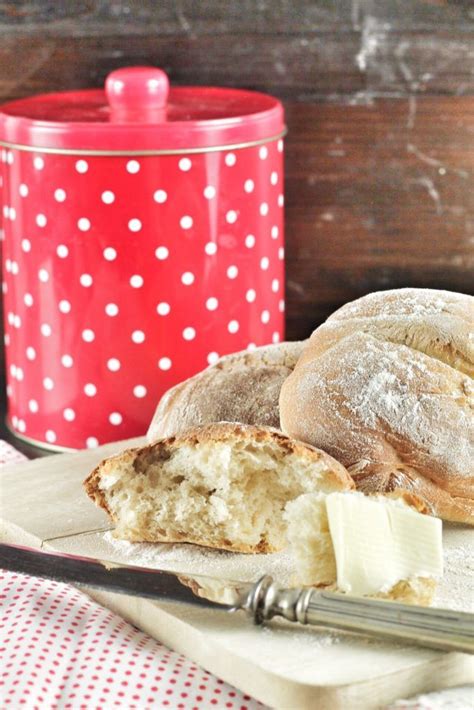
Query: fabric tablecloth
pixel 59 649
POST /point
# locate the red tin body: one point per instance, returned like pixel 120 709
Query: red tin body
pixel 130 265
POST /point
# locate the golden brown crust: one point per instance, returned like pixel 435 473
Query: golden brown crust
pixel 243 387
pixel 140 458
pixel 420 590
pixel 91 483
pixel 382 387
pixel 263 547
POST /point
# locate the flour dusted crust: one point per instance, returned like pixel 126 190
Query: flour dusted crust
pixel 437 323
pixel 157 493
pixel 385 386
pixel 243 387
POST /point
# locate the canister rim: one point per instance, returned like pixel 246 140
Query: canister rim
pixel 22 123
pixel 141 153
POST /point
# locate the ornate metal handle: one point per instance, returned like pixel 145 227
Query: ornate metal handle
pixel 435 628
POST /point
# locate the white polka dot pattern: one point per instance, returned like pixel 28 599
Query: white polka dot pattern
pixel 160 196
pixel 125 275
pixel 108 197
pixel 187 278
pixel 86 280
pixel 111 309
pixel 82 166
pixel 212 303
pixel 88 335
pixel 110 254
pixel 136 281
pixel 84 224
pixel 64 306
pixel 133 166
pixel 134 225
pixel 138 336
pixel 164 363
pixel 210 248
pixel 186 222
pixel 113 364
pixel 189 333
pixel 185 164
pixel 163 308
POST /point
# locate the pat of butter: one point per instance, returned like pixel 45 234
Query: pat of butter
pixel 378 544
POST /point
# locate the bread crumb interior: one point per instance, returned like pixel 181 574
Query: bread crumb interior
pixel 310 540
pixel 224 494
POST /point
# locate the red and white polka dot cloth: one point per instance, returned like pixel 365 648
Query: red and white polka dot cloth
pixel 60 650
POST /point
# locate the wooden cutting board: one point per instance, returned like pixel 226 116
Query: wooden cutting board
pixel 283 665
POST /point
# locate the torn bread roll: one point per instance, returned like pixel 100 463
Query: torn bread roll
pixel 365 546
pixel 222 485
pixel 384 387
pixel 243 387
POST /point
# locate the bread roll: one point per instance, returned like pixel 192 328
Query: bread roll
pixel 222 485
pixel 243 387
pixel 384 387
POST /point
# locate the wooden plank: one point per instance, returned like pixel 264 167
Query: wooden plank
pixel 210 16
pixel 341 66
pixel 377 196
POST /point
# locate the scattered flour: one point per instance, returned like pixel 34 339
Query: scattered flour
pixel 461 698
pixel 202 560
pixel 403 301
pixel 455 590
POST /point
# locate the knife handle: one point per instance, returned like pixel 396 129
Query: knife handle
pixel 442 629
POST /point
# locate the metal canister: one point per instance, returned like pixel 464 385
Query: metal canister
pixel 143 239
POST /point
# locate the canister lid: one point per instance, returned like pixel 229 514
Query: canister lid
pixel 138 111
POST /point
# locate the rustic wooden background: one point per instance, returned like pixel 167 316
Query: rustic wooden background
pixel 380 111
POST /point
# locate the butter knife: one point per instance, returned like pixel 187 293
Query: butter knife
pixel 442 629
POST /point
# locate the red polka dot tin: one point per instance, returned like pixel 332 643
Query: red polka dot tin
pixel 143 239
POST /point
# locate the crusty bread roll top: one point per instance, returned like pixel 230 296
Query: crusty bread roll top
pixel 385 387
pixel 243 387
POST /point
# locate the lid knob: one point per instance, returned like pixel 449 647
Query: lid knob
pixel 136 89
